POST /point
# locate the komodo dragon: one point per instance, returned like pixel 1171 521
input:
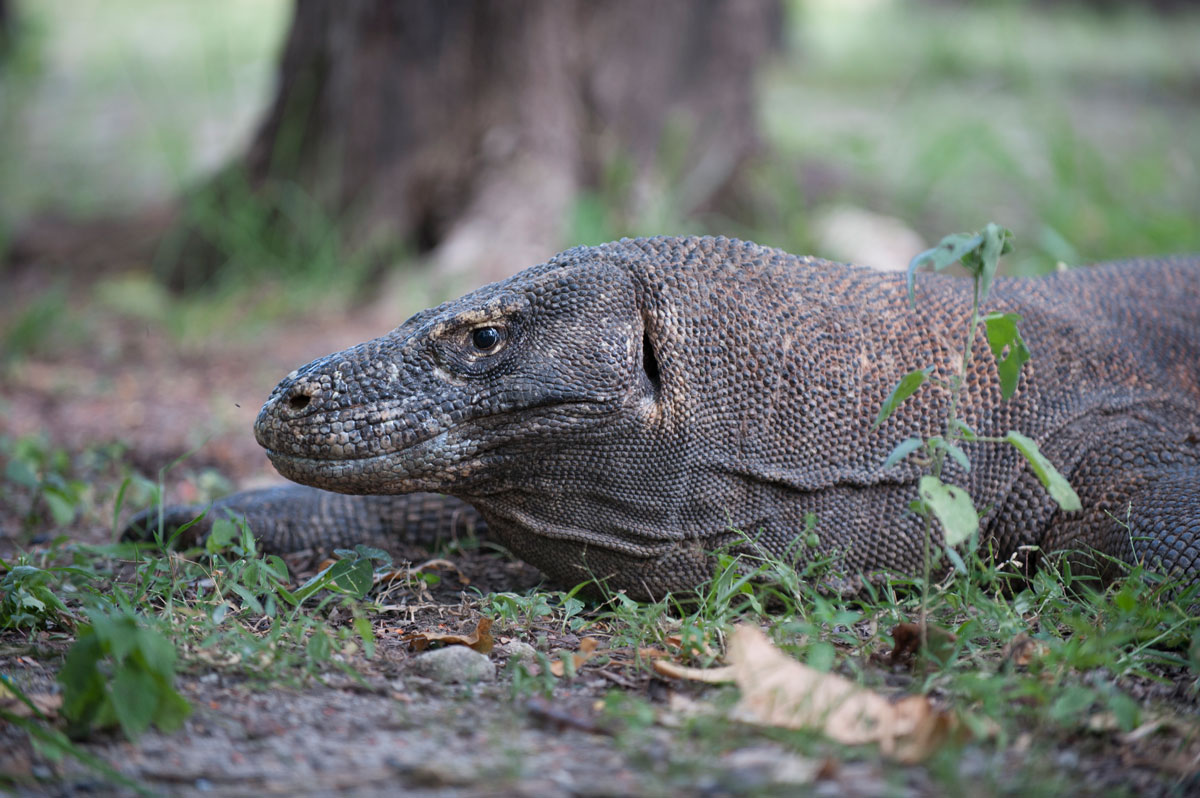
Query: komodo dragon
pixel 622 411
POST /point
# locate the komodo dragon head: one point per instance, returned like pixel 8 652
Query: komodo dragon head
pixel 539 399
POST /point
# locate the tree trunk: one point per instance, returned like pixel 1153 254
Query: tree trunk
pixel 468 127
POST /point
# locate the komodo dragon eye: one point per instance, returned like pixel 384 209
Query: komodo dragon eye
pixel 485 338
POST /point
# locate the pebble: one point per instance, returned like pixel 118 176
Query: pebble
pixel 455 664
pixel 518 651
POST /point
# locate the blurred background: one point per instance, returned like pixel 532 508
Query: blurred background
pixel 196 197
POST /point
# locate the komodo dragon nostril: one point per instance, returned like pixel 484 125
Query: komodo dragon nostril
pixel 298 401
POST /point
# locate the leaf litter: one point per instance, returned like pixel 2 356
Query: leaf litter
pixel 780 692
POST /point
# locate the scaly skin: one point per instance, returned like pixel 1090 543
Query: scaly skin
pixel 644 399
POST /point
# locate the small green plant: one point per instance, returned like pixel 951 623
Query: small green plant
pixel 54 743
pixel 120 673
pixel 952 507
pixel 27 597
pixel 38 477
pixel 517 610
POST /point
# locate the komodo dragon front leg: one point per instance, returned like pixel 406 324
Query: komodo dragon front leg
pixel 294 517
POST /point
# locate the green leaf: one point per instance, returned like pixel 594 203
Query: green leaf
pixel 948 251
pixel 1002 333
pixel 353 577
pixel 363 627
pixel 821 655
pixel 157 651
pixel 997 241
pixel 251 600
pixel 1125 710
pixel 953 509
pixel 21 473
pixel 179 532
pixel 908 385
pixel 117 633
pixel 62 507
pixel 31 602
pixel 276 567
pixel 956 560
pixel 1072 702
pixel 903 449
pixel 319 646
pixel 1055 483
pixel 372 553
pixel 134 700
pixel 224 532
pixel 82 684
pixel 357 580
pixel 964 429
pixel 172 710
pixel 957 454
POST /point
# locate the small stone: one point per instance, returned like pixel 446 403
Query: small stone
pixel 455 664
pixel 518 651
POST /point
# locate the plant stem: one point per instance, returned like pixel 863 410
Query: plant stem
pixel 952 431
pixel 939 455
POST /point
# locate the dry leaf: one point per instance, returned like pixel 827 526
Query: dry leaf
pixel 779 691
pixel 1023 649
pixel 587 647
pixel 709 675
pixel 907 637
pixel 1145 730
pixel 481 639
pixel 46 703
pixel 1102 722
pixel 698 649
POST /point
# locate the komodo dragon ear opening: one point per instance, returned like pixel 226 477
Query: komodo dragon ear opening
pixel 650 365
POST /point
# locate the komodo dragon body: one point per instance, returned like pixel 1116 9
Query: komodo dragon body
pixel 622 411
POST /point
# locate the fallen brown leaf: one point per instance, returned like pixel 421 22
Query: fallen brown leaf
pixel 1023 649
pixel 781 692
pixel 907 641
pixel 47 704
pixel 652 653
pixel 587 647
pixel 709 675
pixel 698 649
pixel 480 640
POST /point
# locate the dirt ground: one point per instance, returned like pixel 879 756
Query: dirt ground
pixel 396 729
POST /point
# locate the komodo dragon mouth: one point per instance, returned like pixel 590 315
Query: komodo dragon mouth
pixel 363 466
